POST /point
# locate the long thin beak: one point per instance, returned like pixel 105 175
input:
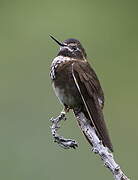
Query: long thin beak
pixel 61 44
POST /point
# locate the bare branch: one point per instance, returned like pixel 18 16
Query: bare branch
pixel 99 149
pixel 63 142
pixel 90 133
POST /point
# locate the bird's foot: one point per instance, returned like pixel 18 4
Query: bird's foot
pixel 77 110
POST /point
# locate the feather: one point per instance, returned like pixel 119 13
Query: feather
pixel 90 91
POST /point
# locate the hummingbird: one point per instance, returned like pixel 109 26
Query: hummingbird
pixel 84 94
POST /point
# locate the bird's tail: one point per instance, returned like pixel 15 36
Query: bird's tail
pixel 96 119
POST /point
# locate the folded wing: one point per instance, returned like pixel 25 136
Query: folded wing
pixel 93 98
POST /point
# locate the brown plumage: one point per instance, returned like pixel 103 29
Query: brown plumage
pixel 92 93
pixel 69 64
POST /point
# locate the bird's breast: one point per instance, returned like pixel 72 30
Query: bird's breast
pixel 67 95
pixel 55 64
pixel 63 82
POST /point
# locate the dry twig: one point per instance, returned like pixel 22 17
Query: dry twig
pixel 90 133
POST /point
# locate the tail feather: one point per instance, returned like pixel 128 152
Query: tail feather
pixel 97 120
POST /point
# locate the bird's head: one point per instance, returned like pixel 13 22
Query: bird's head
pixel 71 48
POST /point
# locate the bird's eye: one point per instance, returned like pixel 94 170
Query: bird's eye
pixel 74 48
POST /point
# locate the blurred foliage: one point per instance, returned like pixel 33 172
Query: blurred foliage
pixel 109 32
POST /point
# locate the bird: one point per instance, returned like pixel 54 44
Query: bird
pixel 77 86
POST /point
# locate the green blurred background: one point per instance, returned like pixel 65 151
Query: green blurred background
pixel 109 32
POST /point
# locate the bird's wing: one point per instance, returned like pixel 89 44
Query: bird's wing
pixel 93 99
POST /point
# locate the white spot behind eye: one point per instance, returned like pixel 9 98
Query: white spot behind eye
pixel 66 47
